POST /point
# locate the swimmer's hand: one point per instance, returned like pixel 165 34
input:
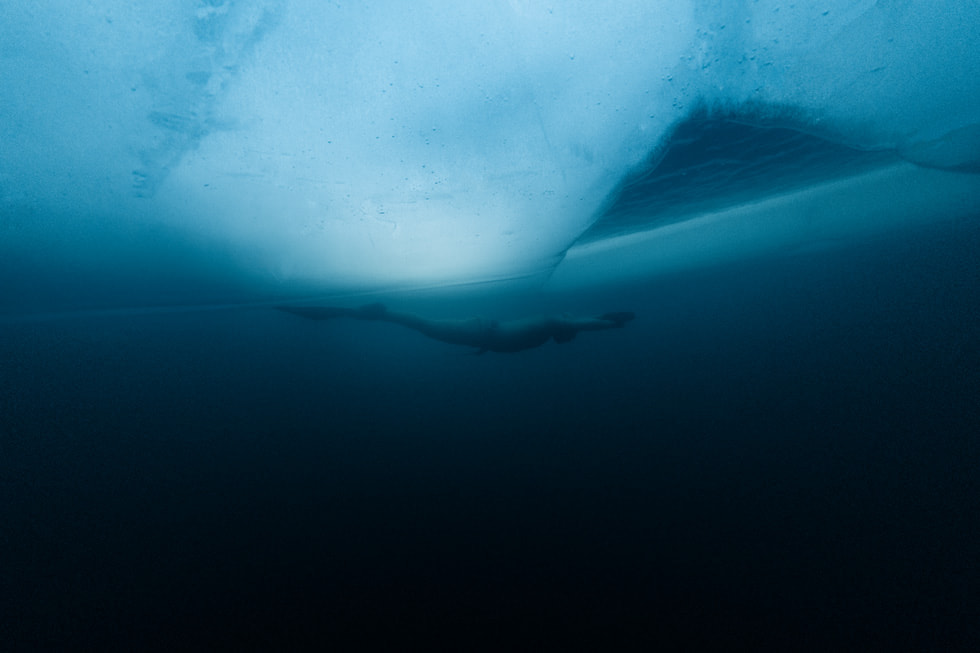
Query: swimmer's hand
pixel 620 318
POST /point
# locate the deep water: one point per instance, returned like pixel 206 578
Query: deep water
pixel 776 455
pixel 780 453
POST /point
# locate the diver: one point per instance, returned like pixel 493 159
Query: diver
pixel 485 335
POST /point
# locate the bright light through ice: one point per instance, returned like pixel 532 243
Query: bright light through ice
pixel 447 142
pixel 396 143
pixel 450 141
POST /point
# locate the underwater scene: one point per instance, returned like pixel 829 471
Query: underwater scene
pixel 490 326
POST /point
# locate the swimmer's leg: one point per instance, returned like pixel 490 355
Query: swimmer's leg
pixel 368 312
pixel 318 312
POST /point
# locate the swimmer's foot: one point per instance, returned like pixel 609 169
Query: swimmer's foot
pixel 620 318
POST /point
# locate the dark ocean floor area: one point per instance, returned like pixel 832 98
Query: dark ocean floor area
pixel 780 455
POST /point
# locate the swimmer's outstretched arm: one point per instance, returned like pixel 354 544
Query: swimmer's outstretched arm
pixel 607 321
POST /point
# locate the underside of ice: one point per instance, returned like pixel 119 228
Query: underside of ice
pixel 378 145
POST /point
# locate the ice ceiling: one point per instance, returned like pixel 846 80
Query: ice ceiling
pixel 372 144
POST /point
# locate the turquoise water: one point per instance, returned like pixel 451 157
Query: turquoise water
pixel 778 453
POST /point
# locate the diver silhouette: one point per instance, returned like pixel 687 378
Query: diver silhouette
pixel 485 335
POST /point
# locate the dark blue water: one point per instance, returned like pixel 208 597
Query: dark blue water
pixel 776 455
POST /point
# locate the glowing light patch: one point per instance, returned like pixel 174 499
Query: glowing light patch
pixel 435 142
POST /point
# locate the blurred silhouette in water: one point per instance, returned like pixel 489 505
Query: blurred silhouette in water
pixel 485 335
